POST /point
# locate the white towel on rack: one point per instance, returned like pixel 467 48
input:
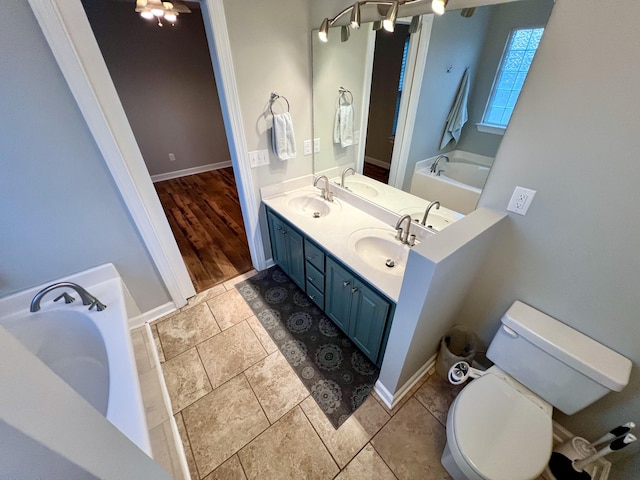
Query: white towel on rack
pixel 458 115
pixel 282 136
pixel 343 127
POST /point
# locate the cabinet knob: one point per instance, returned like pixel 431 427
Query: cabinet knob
pixel 346 283
pixel 354 289
pixel 284 232
pixel 278 227
pixel 310 257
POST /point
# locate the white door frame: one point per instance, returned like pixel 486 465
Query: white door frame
pixel 69 35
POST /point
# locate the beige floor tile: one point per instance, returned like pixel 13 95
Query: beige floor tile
pixel 345 442
pixel 367 465
pixel 205 296
pixel 229 470
pixel 404 399
pixel 411 444
pixel 223 422
pixel 191 462
pixel 262 334
pixel 156 339
pixel 229 309
pixel 186 329
pixel 288 449
pixel 437 395
pixel 276 385
pixel 230 352
pixel 186 379
pixel 230 284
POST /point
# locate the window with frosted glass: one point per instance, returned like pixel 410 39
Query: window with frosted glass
pixel 514 66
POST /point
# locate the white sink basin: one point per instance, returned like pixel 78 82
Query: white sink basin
pixel 378 248
pixel 436 220
pixel 312 205
pixel 360 188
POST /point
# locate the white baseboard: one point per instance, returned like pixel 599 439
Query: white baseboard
pixel 377 163
pixel 392 399
pixel 151 315
pixel 189 171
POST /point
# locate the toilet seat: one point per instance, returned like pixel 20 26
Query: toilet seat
pixel 498 432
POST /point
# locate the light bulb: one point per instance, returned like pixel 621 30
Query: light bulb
pixel 389 23
pixel 171 16
pixel 157 12
pixel 323 33
pixel 355 16
pixel 146 14
pixel 439 6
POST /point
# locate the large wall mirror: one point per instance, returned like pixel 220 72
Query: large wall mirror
pixel 386 103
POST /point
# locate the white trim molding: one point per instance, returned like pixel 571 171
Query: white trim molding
pixel 392 399
pixel 161 177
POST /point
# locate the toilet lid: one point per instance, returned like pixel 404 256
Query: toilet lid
pixel 502 434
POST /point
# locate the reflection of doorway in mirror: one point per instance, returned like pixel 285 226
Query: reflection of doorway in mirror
pixel 386 90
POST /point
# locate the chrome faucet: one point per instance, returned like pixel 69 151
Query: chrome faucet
pixel 87 298
pixel 402 234
pixel 326 193
pixel 426 212
pixel 345 172
pixel 434 165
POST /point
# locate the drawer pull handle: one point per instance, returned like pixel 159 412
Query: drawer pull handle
pixel 354 289
pixel 346 283
pixel 310 279
pixel 312 297
pixel 310 257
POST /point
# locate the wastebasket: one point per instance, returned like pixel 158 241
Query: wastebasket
pixel 458 345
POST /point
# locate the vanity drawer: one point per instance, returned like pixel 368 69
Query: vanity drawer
pixel 314 255
pixel 315 277
pixel 315 295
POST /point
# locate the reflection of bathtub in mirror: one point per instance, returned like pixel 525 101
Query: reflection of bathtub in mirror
pixel 459 184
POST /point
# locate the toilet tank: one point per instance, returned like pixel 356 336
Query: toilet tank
pixel 563 366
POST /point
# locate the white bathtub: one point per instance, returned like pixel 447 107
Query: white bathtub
pixel 459 184
pixel 90 350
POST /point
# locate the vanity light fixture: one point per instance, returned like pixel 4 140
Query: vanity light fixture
pixel 159 10
pixel 439 6
pixel 323 33
pixel 389 23
pixel 355 16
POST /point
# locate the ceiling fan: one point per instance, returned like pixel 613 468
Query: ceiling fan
pixel 157 9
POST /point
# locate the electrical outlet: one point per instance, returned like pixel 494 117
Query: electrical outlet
pixel 521 200
pixel 316 145
pixel 258 158
pixel 307 147
pixel 172 157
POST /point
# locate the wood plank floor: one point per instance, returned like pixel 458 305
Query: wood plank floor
pixel 205 217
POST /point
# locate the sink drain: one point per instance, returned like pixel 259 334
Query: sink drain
pixel 390 263
pixel 316 214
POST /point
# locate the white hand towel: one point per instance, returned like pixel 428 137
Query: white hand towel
pixel 282 136
pixel 458 115
pixel 343 127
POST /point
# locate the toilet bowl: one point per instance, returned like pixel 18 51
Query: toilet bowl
pixel 497 429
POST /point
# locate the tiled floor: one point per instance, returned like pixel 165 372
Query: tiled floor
pixel 243 413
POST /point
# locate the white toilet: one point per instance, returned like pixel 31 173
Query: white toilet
pixel 499 426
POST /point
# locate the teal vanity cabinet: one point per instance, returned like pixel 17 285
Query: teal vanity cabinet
pixel 288 248
pixel 360 311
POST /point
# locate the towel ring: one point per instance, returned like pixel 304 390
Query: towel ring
pixel 274 97
pixel 342 92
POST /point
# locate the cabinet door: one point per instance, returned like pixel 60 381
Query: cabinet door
pixel 337 300
pixel 295 252
pixel 278 243
pixel 369 312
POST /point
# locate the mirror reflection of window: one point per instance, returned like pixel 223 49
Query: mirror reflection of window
pixel 514 65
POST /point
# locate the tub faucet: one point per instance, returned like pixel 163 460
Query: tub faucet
pixel 402 234
pixel 326 193
pixel 434 165
pixel 87 298
pixel 426 212
pixel 345 172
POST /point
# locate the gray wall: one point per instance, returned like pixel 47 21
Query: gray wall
pixel 574 138
pixel 165 82
pixel 60 212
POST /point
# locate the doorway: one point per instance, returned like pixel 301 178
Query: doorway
pixel 166 84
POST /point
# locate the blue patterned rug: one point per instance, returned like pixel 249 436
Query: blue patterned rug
pixel 336 373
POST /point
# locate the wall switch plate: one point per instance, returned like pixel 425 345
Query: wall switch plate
pixel 258 158
pixel 521 200
pixel 172 157
pixel 316 145
pixel 307 147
